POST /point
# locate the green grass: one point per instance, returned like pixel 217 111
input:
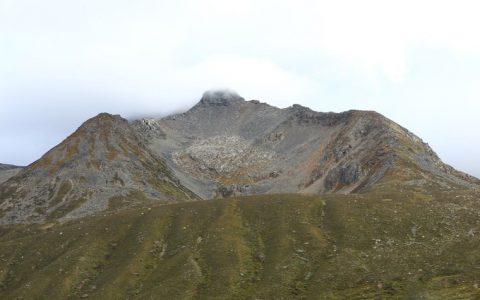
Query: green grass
pixel 363 246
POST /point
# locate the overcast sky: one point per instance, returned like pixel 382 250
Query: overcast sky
pixel 417 62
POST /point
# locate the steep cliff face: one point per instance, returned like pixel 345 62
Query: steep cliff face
pixel 100 166
pixel 227 146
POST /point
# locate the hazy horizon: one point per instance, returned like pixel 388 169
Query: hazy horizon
pixel 416 62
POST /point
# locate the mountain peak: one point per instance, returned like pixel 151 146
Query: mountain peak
pixel 102 119
pixel 221 97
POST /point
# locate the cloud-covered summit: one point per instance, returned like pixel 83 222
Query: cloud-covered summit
pixel 220 97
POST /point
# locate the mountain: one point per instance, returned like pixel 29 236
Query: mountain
pixel 223 146
pixel 309 205
pixel 101 166
pixel 227 146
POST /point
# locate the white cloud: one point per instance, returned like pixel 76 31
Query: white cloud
pixel 372 37
pixel 157 57
pixel 253 78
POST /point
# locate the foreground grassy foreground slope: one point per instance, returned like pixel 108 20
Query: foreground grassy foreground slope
pixel 358 246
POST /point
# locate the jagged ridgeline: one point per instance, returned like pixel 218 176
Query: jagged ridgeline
pixel 224 146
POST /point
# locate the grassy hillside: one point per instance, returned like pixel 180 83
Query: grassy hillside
pixel 267 247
